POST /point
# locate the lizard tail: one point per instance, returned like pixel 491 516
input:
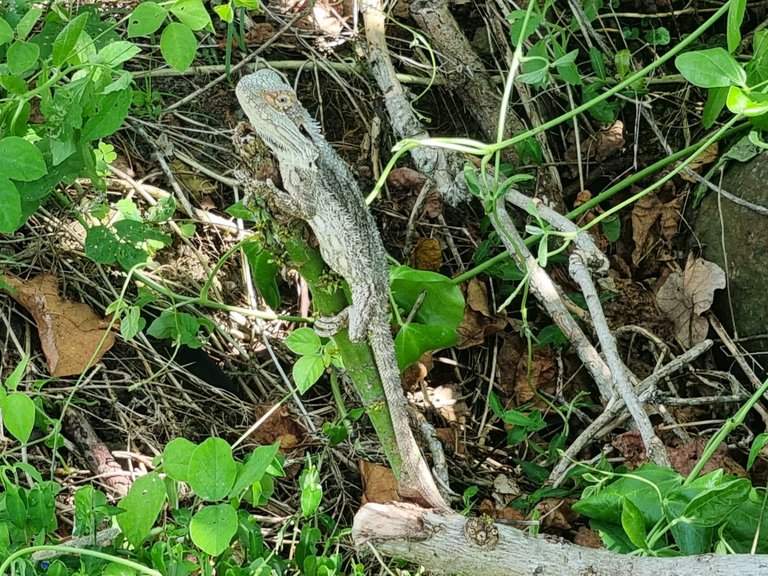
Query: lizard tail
pixel 414 481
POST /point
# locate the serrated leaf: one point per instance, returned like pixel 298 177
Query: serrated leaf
pixel 19 415
pixel 212 469
pixel 307 370
pixel 67 38
pixel 178 45
pixel 303 341
pixel 146 19
pixel 141 507
pixel 213 527
pixel 711 68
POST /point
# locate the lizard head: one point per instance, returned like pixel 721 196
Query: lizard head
pixel 278 117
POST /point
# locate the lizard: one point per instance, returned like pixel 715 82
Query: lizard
pixel 319 188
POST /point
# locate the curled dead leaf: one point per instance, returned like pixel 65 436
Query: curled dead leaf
pixel 71 333
pixel 427 255
pixel 686 295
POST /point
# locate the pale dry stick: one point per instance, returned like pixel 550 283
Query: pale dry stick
pixel 443 544
pixel 440 165
pixel 546 292
pixel 587 256
pixel 602 424
pixel 739 357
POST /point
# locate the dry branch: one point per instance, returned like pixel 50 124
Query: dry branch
pixel 439 543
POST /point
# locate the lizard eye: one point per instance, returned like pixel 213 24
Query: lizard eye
pixel 283 100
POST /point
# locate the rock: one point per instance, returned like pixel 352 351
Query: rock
pixel 743 233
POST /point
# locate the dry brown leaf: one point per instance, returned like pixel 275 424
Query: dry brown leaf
pixel 477 297
pixel 604 144
pixel 279 427
pixel 706 157
pixel 478 322
pixel 543 376
pixel 556 513
pixel 509 356
pixel 683 459
pixel 406 179
pixel 688 294
pixel 379 484
pixel 646 213
pixel 427 255
pixel 70 332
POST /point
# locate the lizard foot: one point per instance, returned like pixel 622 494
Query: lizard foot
pixel 327 326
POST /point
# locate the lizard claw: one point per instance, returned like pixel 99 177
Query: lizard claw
pixel 327 326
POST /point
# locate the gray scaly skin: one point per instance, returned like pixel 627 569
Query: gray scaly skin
pixel 320 189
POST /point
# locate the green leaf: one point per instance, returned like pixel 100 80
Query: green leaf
pixel 141 507
pixel 716 98
pixel 111 110
pixel 597 59
pixel 443 302
pixel 225 12
pixel 264 271
pixel 212 469
pixel 132 323
pixel 714 506
pixel 623 62
pixel 415 339
pixel 22 57
pixel 303 341
pixel 181 327
pixel 736 11
pixel 27 22
pixel 311 491
pixel 20 160
pixel 657 36
pixel 644 487
pixel 67 39
pixel 116 53
pixel 12 382
pixel 6 32
pixel 254 468
pixel 192 13
pixel 10 207
pixel 307 370
pixel 15 85
pixel 634 524
pixel 146 19
pixel 516 19
pixel 19 415
pixel 713 68
pixel 178 45
pixel 176 457
pixel 611 227
pixel 757 446
pixel 101 245
pixel 213 527
pixel 749 105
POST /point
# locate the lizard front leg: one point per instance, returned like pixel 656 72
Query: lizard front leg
pixel 358 316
